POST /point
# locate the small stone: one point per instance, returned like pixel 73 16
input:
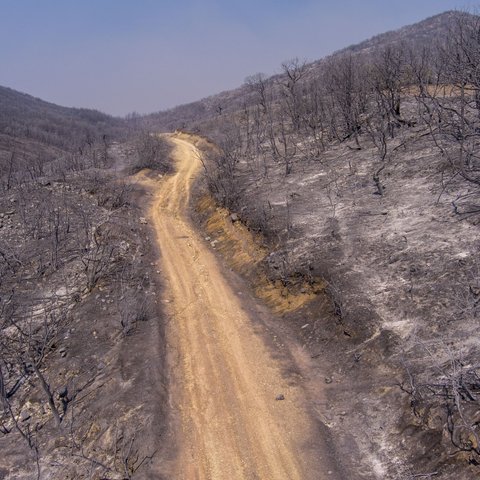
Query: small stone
pixel 234 217
pixel 280 397
pixel 24 416
pixel 143 220
pixel 328 380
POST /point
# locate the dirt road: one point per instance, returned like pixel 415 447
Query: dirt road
pixel 225 381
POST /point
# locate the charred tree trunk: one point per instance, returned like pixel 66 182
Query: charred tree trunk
pixel 48 392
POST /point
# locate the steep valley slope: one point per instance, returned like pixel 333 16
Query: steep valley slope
pixel 396 318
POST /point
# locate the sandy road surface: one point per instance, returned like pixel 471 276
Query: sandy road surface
pixel 225 381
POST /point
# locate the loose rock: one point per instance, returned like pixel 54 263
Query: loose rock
pixel 24 416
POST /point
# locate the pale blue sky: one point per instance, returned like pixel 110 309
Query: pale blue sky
pixel 121 56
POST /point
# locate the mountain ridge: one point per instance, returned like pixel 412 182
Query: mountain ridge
pixel 187 115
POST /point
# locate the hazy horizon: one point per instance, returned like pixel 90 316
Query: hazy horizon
pixel 120 57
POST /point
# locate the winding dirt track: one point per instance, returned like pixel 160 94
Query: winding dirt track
pixel 225 381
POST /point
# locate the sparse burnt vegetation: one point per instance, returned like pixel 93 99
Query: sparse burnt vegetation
pixel 75 292
pixel 362 173
pixel 151 153
pixel 365 165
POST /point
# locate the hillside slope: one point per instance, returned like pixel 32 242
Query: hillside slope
pixel 365 176
pixel 24 116
pixel 78 316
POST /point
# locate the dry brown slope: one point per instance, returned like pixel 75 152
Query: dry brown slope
pixel 223 378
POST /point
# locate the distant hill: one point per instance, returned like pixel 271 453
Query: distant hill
pixel 190 115
pixel 27 117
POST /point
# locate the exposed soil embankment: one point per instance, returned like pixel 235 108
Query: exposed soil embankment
pixel 246 252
